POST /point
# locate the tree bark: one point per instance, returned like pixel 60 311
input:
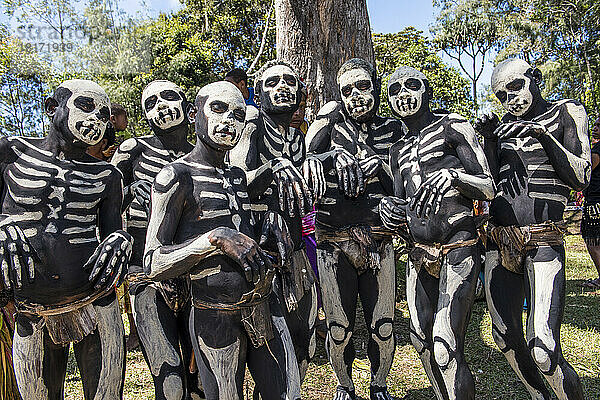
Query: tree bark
pixel 317 37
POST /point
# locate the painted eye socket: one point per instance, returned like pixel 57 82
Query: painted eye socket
pixel 104 114
pixel 150 102
pixel 289 79
pixel 501 95
pixel 413 84
pixel 515 85
pixel 218 107
pixel 394 89
pixel 240 115
pixel 363 85
pixel 271 81
pixel 170 95
pixel 84 103
pixel 346 90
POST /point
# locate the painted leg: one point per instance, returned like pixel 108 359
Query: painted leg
pixel 158 331
pixel 339 287
pixel 505 293
pixel 458 280
pixel 273 366
pixel 422 298
pixel 101 355
pixel 301 322
pixel 546 277
pixel 40 365
pixel 377 294
pixel 220 347
pixel 193 384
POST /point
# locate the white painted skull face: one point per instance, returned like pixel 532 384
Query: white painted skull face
pixel 89 110
pixel 225 112
pixel 280 84
pixel 511 86
pixel 405 94
pixel 357 89
pixel 162 102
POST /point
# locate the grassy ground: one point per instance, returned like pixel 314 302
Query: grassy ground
pixel 494 378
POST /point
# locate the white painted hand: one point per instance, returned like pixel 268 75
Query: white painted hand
pixel 521 129
pixel 392 211
pixel 370 165
pixel 428 198
pixel 141 191
pixel 243 250
pixel 292 189
pixel 16 254
pixel 108 263
pixel 350 175
pixel 314 175
pixel 275 236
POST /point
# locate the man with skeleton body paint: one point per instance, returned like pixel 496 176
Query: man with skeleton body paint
pixel 537 154
pixel 55 198
pixel 439 168
pixel 160 309
pixel 201 224
pixel 347 168
pixel 271 152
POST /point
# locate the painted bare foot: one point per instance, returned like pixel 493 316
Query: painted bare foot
pixel 342 393
pixel 379 393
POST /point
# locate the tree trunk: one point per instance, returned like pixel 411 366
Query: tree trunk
pixel 317 37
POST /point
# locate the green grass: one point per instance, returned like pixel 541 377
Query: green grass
pixel 493 377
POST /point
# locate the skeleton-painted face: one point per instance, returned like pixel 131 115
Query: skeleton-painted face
pixel 279 89
pixel 224 113
pixel 163 103
pixel 512 86
pixel 89 110
pixel 356 88
pixel 406 96
pixel 407 89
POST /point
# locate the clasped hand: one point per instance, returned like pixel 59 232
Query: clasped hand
pixel 108 264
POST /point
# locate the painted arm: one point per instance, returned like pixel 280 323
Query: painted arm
pixel 108 264
pixel 123 159
pixel 392 209
pixel 571 158
pixel 16 254
pixel 473 181
pixel 486 127
pixel 164 259
pixel 294 193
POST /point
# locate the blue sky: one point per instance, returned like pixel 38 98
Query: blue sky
pixel 386 16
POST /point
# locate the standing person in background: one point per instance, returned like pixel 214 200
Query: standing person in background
pixel 590 223
pixel 239 78
pixel 104 149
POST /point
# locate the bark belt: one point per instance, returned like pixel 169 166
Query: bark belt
pixel 431 257
pixel 514 241
pixel 362 245
pixel 254 309
pixel 68 322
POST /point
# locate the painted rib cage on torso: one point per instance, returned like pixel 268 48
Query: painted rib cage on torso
pixel 219 200
pixel 56 203
pixel 148 163
pixel 419 157
pixel 270 145
pixel 375 138
pixel 532 191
